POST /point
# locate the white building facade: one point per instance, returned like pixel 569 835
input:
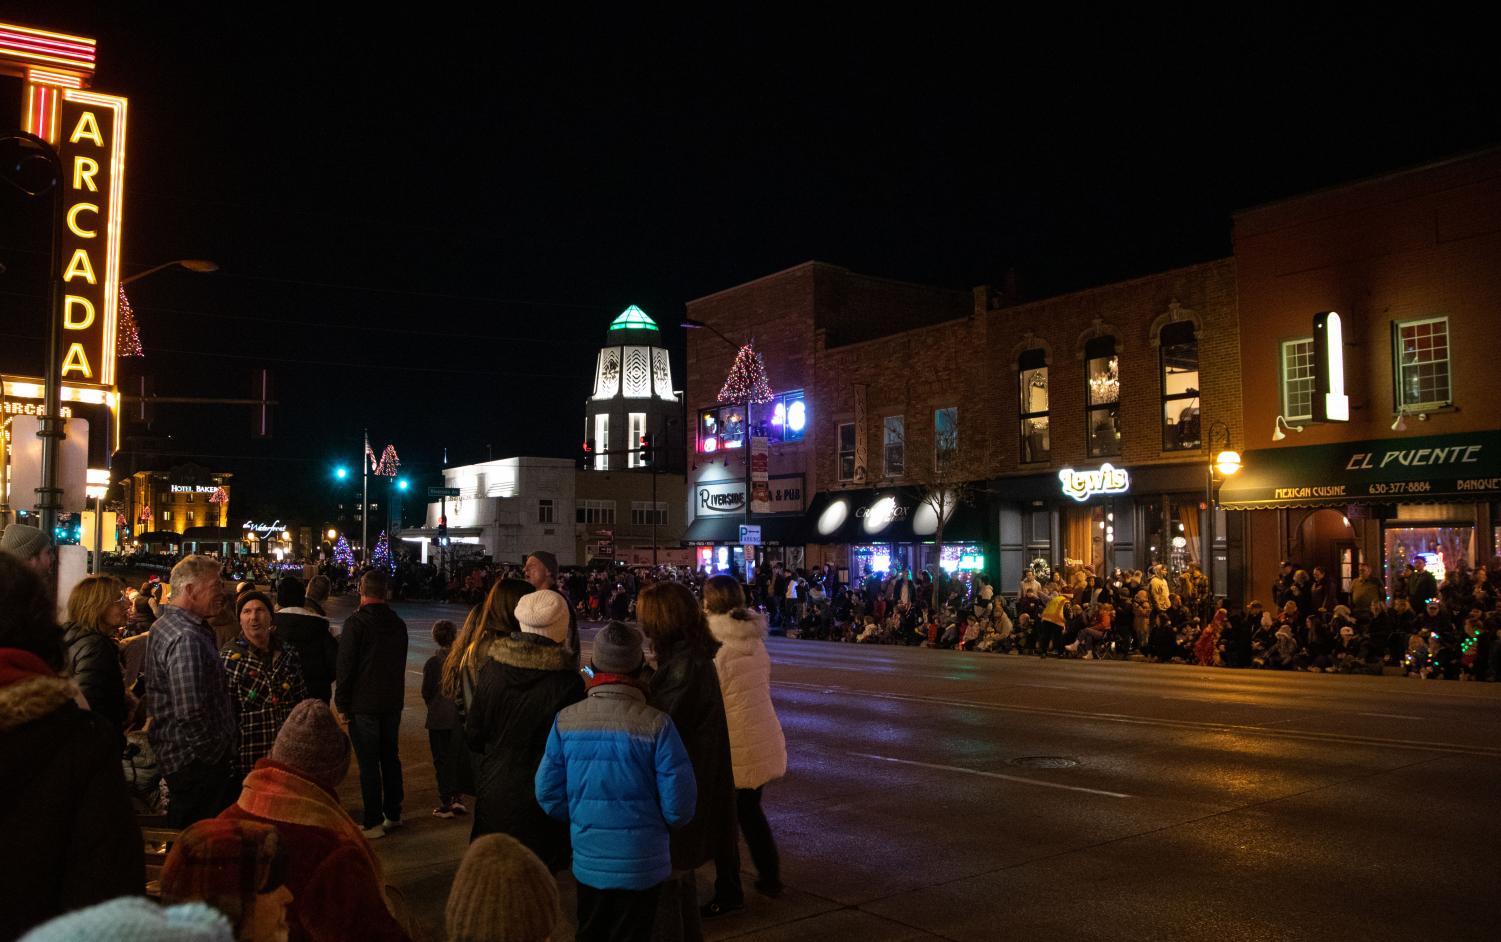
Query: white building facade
pixel 506 509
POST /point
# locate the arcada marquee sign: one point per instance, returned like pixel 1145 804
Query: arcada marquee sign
pixel 1106 479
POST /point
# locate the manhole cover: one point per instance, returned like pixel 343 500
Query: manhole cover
pixel 1044 762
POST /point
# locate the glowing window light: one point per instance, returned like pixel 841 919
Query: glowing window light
pixel 797 415
pixel 779 414
pixel 711 444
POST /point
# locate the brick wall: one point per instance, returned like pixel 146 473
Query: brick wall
pixel 971 363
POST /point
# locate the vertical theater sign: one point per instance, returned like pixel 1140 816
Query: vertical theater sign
pixel 87 129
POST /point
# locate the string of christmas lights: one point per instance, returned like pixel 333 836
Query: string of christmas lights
pixel 747 380
pixel 388 463
pixel 343 555
pixel 127 333
pixel 381 555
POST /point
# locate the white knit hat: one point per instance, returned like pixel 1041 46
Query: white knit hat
pixel 544 613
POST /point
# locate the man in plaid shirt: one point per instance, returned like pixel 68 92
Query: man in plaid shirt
pixel 193 730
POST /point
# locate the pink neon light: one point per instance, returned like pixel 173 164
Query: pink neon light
pixel 80 55
pixel 41 42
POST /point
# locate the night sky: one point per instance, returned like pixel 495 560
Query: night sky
pixel 425 228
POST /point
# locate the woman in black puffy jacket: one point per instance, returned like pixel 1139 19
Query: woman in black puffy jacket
pixel 96 611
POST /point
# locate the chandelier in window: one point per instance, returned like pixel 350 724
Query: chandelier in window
pixel 1105 386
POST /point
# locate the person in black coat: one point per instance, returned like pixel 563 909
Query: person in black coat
pixel 371 693
pixel 530 677
pixel 96 610
pixel 64 807
pixel 685 686
pixel 307 633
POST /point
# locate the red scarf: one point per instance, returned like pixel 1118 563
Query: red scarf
pixel 626 680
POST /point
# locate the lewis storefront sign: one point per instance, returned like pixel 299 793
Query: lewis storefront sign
pixel 728 497
pixel 1081 485
pixel 1463 467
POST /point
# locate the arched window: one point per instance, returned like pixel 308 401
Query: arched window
pixel 1032 380
pixel 1102 397
pixel 1179 347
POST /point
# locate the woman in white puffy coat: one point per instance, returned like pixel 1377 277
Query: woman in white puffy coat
pixel 758 750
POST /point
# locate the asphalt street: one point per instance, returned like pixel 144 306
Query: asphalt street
pixel 938 794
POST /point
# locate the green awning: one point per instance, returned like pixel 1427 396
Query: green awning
pixel 1435 468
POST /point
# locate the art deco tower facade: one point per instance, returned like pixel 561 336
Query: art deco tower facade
pixel 633 398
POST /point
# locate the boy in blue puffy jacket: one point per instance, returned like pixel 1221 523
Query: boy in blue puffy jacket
pixel 617 771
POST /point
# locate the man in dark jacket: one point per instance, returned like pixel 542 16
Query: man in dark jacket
pixel 307 633
pixel 541 570
pixel 529 679
pixel 1421 586
pixel 371 692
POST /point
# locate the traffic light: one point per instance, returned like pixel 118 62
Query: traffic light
pixel 646 450
pixel 341 472
pixel 586 457
pixel 443 530
pixel 401 484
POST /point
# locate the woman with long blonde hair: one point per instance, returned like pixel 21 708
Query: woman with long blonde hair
pixel 96 611
pixel 492 619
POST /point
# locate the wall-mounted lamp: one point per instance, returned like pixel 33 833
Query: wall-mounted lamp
pixel 1282 424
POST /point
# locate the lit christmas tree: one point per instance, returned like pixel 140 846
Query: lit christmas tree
pixel 343 555
pixel 381 555
pixel 388 462
pixel 747 379
pixel 127 334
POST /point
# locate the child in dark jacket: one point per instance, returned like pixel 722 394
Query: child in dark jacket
pixel 442 722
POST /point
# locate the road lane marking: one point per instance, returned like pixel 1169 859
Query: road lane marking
pixel 1489 752
pixel 1393 716
pixel 1008 778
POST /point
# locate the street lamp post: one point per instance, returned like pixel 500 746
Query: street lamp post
pixel 1224 464
pixel 191 264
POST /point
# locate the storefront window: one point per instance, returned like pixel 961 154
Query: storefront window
pixel 1442 548
pixel 1033 387
pixel 894 443
pixel 966 557
pixel 945 438
pixel 784 419
pixel 1180 387
pixel 1297 378
pixel 1422 353
pixel 880 558
pixel 1102 397
pixel 787 417
pixel 847 451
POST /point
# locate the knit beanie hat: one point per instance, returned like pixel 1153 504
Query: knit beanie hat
pixel 225 863
pixel 24 542
pixel 245 598
pixel 133 919
pixel 310 742
pixel 502 893
pixel 617 650
pixel 544 613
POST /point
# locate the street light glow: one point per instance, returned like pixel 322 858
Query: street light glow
pixel 341 472
pixel 401 484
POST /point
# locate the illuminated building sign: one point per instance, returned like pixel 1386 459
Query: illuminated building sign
pixel 1082 485
pixel 263 530
pixel 92 147
pixel 728 497
pixel 1330 404
pixel 31 408
pixel 196 489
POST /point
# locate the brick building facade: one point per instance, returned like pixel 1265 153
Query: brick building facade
pixel 1408 261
